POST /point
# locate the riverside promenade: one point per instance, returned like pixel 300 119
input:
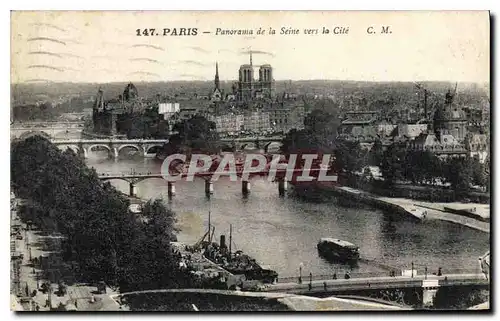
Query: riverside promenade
pixel 32 244
pixel 420 210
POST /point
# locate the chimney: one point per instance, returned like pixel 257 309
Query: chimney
pixel 223 242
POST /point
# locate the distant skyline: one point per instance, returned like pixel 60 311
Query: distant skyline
pixel 101 47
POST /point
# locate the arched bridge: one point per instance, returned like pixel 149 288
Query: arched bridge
pixel 147 147
pixel 263 142
pixel 49 130
pixel 280 176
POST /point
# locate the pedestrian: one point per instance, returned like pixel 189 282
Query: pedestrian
pixel 334 276
pixel 439 272
pixel 324 285
pixel 347 275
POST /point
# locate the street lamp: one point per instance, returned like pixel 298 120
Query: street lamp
pixel 300 272
pixel 412 270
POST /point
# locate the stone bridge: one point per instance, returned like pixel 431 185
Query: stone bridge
pixel 83 147
pixel 49 130
pixel 242 143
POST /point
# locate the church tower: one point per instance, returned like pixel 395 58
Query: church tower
pixel 216 80
pixel 246 81
pixel 216 93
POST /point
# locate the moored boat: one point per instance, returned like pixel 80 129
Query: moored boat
pixel 338 249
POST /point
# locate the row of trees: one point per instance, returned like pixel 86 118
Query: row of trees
pixel 104 240
pixel 396 164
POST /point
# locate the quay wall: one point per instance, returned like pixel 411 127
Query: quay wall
pixel 367 199
pixel 402 207
pixel 467 213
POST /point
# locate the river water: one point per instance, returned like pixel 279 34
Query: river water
pixel 283 232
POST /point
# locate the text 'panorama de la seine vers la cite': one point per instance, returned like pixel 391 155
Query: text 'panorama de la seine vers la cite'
pixel 261 31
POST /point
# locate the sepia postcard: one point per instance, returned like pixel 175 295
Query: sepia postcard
pixel 250 161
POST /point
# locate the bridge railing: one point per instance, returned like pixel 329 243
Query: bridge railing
pixel 340 274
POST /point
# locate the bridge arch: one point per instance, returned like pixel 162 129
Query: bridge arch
pixel 249 145
pixel 91 148
pixel 133 146
pixel 33 133
pixel 152 148
pixel 275 144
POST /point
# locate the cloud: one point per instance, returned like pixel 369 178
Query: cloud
pixel 199 49
pixel 47 39
pixel 192 62
pixel 258 52
pixel 147 46
pixel 45 67
pixel 146 60
pixel 47 53
pixel 144 73
pixel 38 24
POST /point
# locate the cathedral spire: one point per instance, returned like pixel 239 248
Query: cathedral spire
pixel 217 82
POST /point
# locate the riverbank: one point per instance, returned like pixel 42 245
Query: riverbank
pixel 420 210
pixel 37 260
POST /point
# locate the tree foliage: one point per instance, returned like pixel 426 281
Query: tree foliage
pixel 105 240
pixel 318 136
pixel 195 134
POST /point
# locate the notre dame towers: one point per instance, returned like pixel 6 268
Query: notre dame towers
pixel 249 89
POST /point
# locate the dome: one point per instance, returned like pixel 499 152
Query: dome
pixel 449 113
pixel 130 92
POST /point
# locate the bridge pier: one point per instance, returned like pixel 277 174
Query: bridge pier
pixel 245 187
pixel 171 189
pixel 282 187
pixel 115 152
pixel 209 187
pixel 132 190
pixel 85 153
pixel 429 290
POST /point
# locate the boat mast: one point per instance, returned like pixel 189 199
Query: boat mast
pixel 230 238
pixel 209 229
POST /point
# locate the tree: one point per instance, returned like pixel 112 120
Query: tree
pixel 349 157
pixel 479 172
pixel 376 154
pixel 152 263
pixel 194 134
pixel 104 240
pixel 458 173
pixel 318 136
pixel 393 164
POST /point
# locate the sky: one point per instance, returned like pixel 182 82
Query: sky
pixel 92 46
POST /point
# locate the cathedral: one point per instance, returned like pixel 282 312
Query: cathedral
pixel 247 88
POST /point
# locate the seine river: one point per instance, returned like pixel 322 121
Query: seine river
pixel 283 232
